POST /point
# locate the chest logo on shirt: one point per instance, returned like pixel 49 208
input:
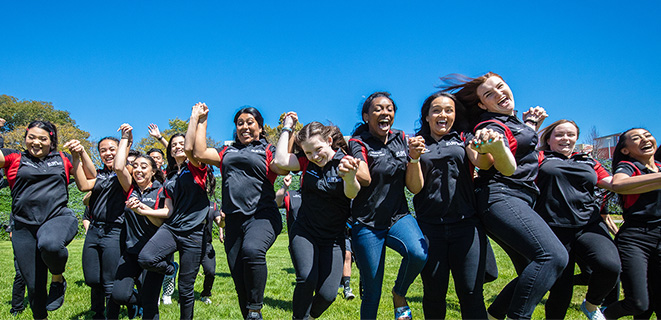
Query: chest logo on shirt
pixel 400 153
pixel 54 163
pixel 454 143
pixel 376 154
pixel 148 200
pixel 333 179
pixel 258 151
pixel 231 150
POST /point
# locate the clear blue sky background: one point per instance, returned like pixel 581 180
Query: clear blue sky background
pixel 109 62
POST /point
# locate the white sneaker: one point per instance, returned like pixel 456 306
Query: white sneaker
pixel 594 315
pixel 166 299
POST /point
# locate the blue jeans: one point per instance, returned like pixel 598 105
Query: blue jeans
pixel 538 256
pixel 369 246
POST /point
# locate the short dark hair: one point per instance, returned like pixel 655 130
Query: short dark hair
pixel 98 145
pixel 365 108
pixel 256 114
pixel 155 150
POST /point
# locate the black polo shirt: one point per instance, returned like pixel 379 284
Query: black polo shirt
pixel 521 140
pixel 247 178
pixel 324 207
pixel 38 187
pixel 187 190
pixel 139 229
pixel 447 195
pixel 107 202
pixel 292 202
pixel 640 209
pixel 567 189
pixel 383 202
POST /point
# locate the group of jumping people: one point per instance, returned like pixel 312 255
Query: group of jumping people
pixel 476 168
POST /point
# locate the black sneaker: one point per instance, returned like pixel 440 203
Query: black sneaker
pixel 16 311
pixel 56 295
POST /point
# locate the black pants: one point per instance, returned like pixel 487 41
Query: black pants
pixel 18 290
pixel 101 253
pixel 538 256
pixel 461 248
pixel 130 274
pixel 596 248
pixel 209 269
pixel 640 254
pixel 40 249
pixel 247 238
pixel 319 266
pixel 155 256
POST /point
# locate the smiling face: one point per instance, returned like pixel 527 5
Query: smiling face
pixel 496 96
pixel 441 116
pixel 563 139
pixel 640 145
pixel 38 142
pixel 247 128
pixel 158 158
pixel 177 148
pixel 380 116
pixel 318 150
pixel 142 171
pixel 107 151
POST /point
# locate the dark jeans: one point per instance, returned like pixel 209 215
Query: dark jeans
pixel 538 256
pixel 461 248
pixel 209 268
pixel 130 274
pixel 369 246
pixel 155 256
pixel 101 253
pixel 40 249
pixel 640 254
pixel 596 248
pixel 18 290
pixel 247 238
pixel 319 266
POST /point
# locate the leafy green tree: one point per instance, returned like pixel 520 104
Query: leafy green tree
pixel 273 133
pixel 19 114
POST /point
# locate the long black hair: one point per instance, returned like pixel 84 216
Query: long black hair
pixel 172 167
pixel 256 114
pixel 460 123
pixel 158 174
pixel 365 108
pixel 46 126
pixel 618 156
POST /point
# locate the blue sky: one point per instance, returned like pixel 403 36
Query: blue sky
pixel 596 62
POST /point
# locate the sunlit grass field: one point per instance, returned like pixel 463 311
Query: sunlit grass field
pixel 278 294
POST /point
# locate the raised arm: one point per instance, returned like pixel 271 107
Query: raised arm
pixel 119 164
pixel 80 162
pixel 414 178
pixel 347 170
pixel 198 113
pixel 280 194
pixel 283 158
pixel 488 149
pixel 200 151
pixel 154 132
pixel 534 117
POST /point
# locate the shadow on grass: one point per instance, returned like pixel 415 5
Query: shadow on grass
pixel 289 270
pixel 223 274
pixel 80 283
pixel 278 304
pixel 82 315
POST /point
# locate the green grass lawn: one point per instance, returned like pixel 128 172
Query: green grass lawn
pixel 278 294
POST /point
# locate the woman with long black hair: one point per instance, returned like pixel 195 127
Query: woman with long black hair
pixel 252 219
pixel 380 211
pixel 328 183
pixel 186 194
pixel 441 177
pixel 503 148
pixel 637 177
pixel 103 243
pixel 42 229
pixel 143 183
